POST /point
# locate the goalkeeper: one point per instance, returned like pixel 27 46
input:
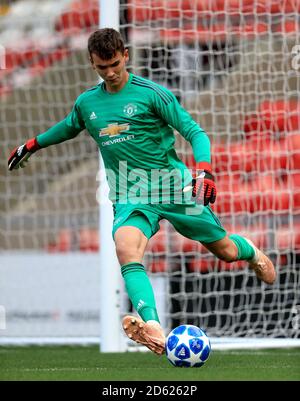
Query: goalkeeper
pixel 132 119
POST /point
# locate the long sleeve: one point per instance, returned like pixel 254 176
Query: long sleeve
pixel 66 129
pixel 166 105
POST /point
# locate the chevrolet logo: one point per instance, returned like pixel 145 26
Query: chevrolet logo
pixel 114 129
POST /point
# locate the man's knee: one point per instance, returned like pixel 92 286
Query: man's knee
pixel 130 244
pixel 127 252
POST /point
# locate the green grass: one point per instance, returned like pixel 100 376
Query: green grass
pixel 86 363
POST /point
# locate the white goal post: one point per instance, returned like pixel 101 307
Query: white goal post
pixel 112 339
pixel 235 67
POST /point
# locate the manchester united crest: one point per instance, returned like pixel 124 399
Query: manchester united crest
pixel 130 109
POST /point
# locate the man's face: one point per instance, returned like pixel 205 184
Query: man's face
pixel 112 71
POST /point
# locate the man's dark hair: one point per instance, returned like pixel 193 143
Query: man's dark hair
pixel 105 43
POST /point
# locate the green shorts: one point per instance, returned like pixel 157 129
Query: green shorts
pixel 194 221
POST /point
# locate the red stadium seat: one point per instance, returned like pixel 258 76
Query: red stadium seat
pixel 294 179
pixel 88 240
pixel 158 243
pixel 229 158
pixel 12 59
pixel 139 11
pixel 249 29
pixel 79 16
pixel 4 89
pixel 202 265
pixel 232 196
pixel 275 114
pixel 158 265
pixel 257 233
pixel 261 194
pixel 269 155
pixel 276 6
pixel 200 34
pixel 63 243
pixel 273 117
pixel 215 32
pixel 16 58
pixel 288 27
pixel 294 151
pixel 267 194
pixel 231 7
pixel 206 265
pixel 46 60
pixel 179 243
pixel 259 154
pixel 287 241
pixel 288 237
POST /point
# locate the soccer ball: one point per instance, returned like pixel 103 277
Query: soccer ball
pixel 187 346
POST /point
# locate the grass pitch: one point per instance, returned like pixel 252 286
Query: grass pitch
pixel 86 363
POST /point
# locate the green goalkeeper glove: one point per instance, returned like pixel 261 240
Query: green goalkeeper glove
pixel 20 155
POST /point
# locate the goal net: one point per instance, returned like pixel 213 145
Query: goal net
pixel 235 66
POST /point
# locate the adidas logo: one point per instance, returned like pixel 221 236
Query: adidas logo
pixel 20 150
pixel 93 116
pixel 140 304
pixel 182 352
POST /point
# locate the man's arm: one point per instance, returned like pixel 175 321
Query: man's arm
pixel 66 129
pixel 168 108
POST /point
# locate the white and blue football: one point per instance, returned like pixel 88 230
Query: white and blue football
pixel 187 346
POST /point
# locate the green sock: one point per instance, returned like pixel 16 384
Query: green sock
pixel 245 250
pixel 139 290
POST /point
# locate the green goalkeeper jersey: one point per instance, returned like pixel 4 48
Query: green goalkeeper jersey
pixel 134 130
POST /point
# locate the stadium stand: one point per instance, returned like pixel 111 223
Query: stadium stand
pixel 261 170
pixel 79 16
pixel 229 64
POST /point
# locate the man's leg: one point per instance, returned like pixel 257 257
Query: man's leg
pixel 130 247
pixel 204 226
pixel 236 247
